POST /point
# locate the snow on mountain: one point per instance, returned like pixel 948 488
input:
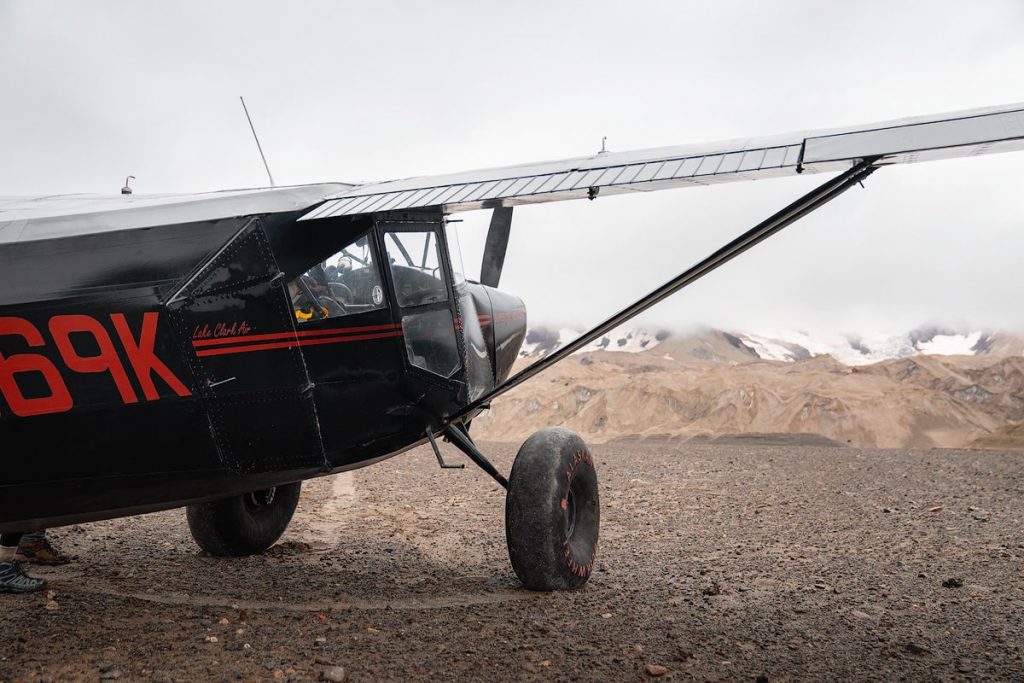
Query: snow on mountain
pixel 789 346
pixel 542 341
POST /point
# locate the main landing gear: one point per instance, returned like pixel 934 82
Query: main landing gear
pixel 552 510
pixel 245 524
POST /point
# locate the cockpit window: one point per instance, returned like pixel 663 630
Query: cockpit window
pixel 345 284
pixel 416 268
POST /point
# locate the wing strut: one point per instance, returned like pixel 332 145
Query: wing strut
pixel 760 232
pixel 496 245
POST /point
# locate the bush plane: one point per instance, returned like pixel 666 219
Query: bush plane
pixel 212 351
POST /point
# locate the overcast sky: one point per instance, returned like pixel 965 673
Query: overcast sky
pixel 92 92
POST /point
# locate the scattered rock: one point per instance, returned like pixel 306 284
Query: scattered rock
pixel 606 615
pixel 334 674
pixel 211 639
pixel 713 589
pixel 937 508
pixel 111 675
pixel 953 582
pixel 52 605
pixel 655 670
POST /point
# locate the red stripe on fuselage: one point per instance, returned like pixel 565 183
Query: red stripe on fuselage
pixel 246 348
pixel 248 338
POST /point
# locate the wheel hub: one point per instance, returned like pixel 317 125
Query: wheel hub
pixel 261 499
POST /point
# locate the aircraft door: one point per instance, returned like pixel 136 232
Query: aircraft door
pixel 236 326
pixel 421 284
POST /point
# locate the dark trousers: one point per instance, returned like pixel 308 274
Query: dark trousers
pixel 11 540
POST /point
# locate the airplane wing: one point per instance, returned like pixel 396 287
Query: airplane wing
pixel 924 138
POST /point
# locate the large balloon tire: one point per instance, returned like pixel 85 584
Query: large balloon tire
pixel 553 512
pixel 243 525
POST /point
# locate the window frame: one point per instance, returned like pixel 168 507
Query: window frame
pixel 435 225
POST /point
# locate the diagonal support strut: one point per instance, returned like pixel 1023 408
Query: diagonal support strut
pixel 814 199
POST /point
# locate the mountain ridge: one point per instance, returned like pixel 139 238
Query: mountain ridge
pixel 712 383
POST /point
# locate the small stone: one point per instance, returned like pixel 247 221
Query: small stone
pixel 713 589
pixel 606 615
pixel 937 508
pixel 915 649
pixel 857 614
pixel 545 663
pixel 223 621
pixel 334 674
pixel 320 641
pixel 953 583
pixel 886 509
pixel 111 675
pixel 246 646
pixel 52 605
pixel 655 670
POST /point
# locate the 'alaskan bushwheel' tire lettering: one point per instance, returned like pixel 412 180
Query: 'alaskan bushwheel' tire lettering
pixel 59 399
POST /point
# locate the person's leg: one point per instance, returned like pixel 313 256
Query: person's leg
pixel 36 548
pixel 9 546
pixel 13 578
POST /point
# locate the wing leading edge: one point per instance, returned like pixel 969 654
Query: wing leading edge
pixel 925 138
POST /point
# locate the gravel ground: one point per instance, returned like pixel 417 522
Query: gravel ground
pixel 716 562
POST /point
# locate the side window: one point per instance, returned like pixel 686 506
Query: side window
pixel 429 331
pixel 345 284
pixel 415 268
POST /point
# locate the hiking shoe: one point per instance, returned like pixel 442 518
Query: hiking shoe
pixel 13 579
pixel 37 550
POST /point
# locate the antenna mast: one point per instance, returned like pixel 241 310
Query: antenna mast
pixel 256 137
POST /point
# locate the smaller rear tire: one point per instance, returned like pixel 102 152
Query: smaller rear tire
pixel 246 524
pixel 552 511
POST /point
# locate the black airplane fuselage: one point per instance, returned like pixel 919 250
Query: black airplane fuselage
pixel 154 367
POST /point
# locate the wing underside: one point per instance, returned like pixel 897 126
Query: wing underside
pixel 960 134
